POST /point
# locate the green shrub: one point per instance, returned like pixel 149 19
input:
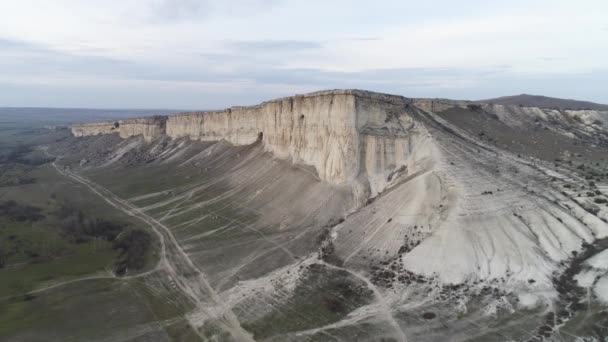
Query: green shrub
pixel 134 245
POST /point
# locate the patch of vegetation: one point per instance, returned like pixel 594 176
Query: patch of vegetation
pixel 38 252
pixel 327 250
pixel 572 300
pixel 213 331
pixel 23 154
pixel 323 296
pixel 19 212
pixel 14 175
pixel 593 210
pixel 79 229
pixel 134 246
pixel 64 313
pixel 44 265
pixel 474 107
pixel 429 315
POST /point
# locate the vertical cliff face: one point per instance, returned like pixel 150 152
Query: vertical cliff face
pixel 94 128
pixel 350 137
pixel 318 129
pixel 149 128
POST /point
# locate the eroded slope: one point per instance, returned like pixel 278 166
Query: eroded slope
pixel 445 232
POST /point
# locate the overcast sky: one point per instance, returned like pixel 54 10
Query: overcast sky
pixel 208 54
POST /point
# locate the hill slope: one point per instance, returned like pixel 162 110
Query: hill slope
pixel 545 102
pixel 357 216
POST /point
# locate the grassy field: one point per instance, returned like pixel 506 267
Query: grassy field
pixel 59 287
pixel 91 309
pixel 39 253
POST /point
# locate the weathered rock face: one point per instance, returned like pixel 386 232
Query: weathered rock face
pixel 357 138
pixel 321 129
pixel 348 136
pixel 94 128
pixel 149 128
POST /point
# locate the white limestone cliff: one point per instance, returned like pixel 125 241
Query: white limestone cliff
pixel 149 127
pixel 458 209
pixel 94 128
pixel 350 137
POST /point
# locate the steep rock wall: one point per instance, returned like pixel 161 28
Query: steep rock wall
pixel 94 128
pixel 319 129
pixel 149 127
pixel 351 137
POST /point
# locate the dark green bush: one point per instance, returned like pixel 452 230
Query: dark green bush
pixel 134 245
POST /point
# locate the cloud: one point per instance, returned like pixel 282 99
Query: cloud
pixel 21 59
pixel 274 45
pixel 13 44
pixel 168 11
pixel 177 10
pixel 251 49
pixel 361 39
pixel 26 66
pixel 553 59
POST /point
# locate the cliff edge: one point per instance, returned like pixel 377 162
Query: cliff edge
pixel 348 136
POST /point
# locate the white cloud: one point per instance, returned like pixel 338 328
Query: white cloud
pixel 137 40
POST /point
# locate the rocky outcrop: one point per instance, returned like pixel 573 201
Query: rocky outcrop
pixel 348 136
pixel 95 128
pixel 322 129
pixel 357 138
pixel 361 140
pixel 149 127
